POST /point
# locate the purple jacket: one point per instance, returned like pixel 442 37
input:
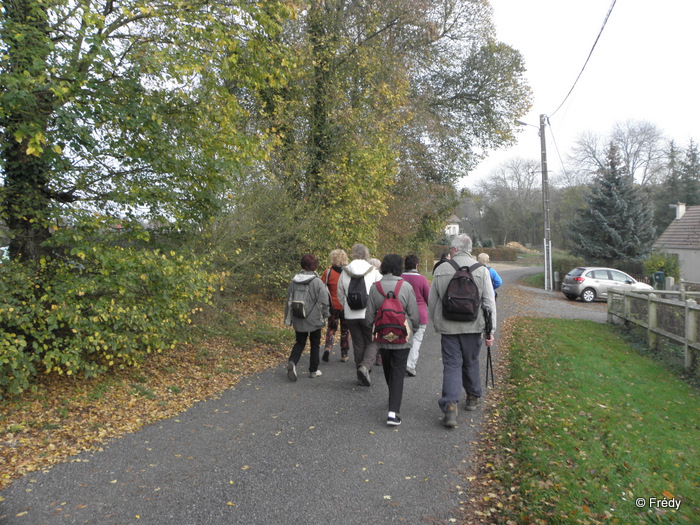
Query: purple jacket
pixel 422 288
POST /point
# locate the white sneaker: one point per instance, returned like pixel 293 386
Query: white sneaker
pixel 291 371
pixel 317 373
pixel 363 376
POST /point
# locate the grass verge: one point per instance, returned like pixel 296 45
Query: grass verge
pixel 587 427
pixel 535 281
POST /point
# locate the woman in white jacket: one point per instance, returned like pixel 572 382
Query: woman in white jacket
pixel 364 351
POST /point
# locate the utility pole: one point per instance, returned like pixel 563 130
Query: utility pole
pixel 548 281
pixel 547 241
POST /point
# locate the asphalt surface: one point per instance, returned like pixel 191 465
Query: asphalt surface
pixel 270 451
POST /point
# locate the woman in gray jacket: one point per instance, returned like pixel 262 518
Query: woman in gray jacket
pixel 394 355
pixel 308 307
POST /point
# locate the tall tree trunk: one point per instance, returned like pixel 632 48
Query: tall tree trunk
pixel 322 63
pixel 25 200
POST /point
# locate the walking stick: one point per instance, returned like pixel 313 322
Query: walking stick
pixel 489 365
pixel 487 331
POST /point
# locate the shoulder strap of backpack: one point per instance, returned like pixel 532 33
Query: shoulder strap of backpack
pixel 396 290
pixel 454 264
pixel 474 267
pixel 353 275
pixel 379 287
pixel 312 291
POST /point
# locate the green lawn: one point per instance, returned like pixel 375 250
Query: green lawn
pixel 590 426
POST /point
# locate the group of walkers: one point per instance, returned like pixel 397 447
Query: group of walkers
pixel 384 312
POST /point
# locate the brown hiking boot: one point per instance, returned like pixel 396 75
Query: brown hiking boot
pixel 450 419
pixel 472 402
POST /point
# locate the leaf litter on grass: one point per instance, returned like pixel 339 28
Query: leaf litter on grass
pixel 575 438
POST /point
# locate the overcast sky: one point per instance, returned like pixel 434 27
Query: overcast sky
pixel 644 67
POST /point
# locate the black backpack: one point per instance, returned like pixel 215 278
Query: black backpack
pixel 357 291
pixel 462 298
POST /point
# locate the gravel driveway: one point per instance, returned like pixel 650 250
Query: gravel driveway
pixel 527 301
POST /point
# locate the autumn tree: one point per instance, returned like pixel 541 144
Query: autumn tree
pixel 617 222
pixel 513 197
pixel 114 115
pixel 393 92
pixel 123 109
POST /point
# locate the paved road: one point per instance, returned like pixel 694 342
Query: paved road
pixel 269 451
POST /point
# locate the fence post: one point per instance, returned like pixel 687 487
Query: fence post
pixel 652 337
pixel 691 336
pixel 626 308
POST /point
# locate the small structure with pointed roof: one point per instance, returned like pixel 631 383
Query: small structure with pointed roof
pixel 452 226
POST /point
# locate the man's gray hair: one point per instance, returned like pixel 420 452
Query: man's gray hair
pixel 462 242
pixel 360 251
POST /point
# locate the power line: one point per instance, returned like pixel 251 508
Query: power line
pixel 587 59
pixel 556 147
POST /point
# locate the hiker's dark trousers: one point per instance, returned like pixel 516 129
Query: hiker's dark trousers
pixel 298 348
pixel 394 367
pixel 460 367
pixel 364 351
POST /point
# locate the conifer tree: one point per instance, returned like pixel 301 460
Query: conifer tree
pixel 690 175
pixel 617 223
pixel 670 189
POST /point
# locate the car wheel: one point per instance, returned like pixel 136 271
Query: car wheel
pixel 588 295
pixel 570 296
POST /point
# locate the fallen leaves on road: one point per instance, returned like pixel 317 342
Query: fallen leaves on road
pixel 65 416
pixel 486 494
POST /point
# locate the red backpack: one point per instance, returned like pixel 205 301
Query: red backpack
pixel 390 324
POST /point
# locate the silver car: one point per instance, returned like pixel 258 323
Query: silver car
pixel 591 283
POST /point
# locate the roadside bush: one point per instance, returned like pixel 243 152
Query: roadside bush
pixel 564 263
pixel 100 308
pixel 260 240
pixel 662 262
pixel 439 249
pixel 501 253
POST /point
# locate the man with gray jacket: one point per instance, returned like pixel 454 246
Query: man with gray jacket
pixel 461 340
pixel 364 351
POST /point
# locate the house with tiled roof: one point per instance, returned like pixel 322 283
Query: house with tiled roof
pixel 682 238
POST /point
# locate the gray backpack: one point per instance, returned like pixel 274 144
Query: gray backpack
pixel 302 303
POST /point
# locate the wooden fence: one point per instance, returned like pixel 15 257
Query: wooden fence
pixel 667 314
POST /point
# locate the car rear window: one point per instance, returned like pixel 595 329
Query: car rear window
pixel 576 272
